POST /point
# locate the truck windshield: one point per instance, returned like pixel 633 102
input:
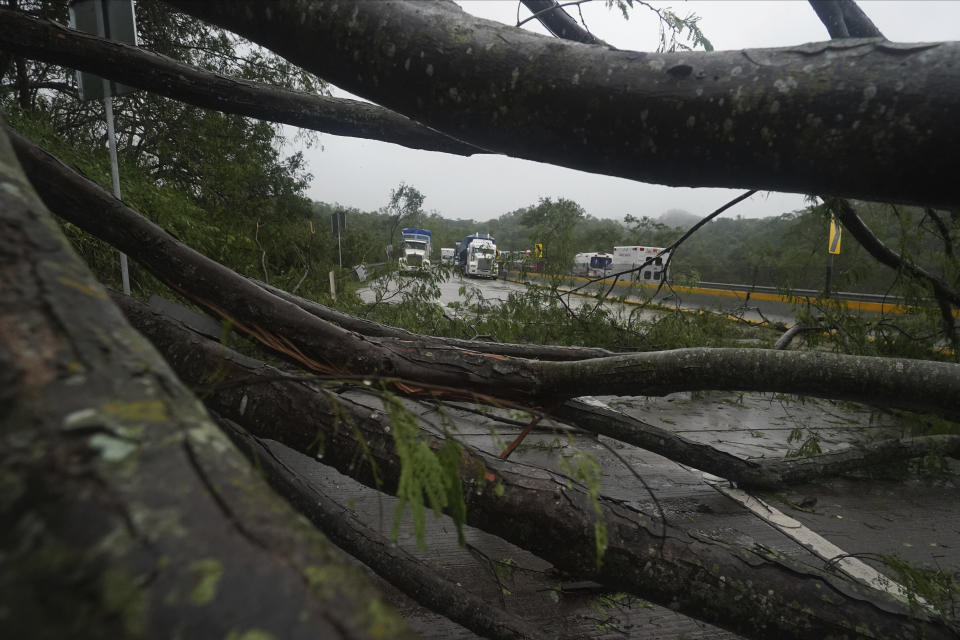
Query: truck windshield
pixel 484 253
pixel 410 244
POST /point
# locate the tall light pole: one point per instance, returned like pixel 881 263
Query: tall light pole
pixel 114 20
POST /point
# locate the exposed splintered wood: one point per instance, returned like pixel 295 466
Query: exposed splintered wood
pixel 861 118
pixel 326 347
pixel 126 513
pixel 749 589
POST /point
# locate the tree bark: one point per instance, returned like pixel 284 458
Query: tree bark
pixel 595 417
pixel 591 415
pixel 412 576
pixel 136 67
pixel 862 119
pixel 598 418
pixel 845 19
pixel 748 589
pixel 457 373
pixel 126 512
pixel 558 22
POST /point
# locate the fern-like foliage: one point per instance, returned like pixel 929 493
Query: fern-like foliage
pixel 427 477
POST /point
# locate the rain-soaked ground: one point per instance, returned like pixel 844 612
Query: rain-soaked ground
pixel 914 515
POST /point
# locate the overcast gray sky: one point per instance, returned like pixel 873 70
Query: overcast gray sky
pixel 361 173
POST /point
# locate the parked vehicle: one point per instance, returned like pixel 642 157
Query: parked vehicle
pixel 592 264
pixel 415 250
pixel 650 262
pixel 446 255
pixel 477 256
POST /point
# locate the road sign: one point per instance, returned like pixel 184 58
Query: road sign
pixel 833 245
pixel 111 19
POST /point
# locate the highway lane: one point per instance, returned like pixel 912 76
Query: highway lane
pixel 497 291
pixel 747 302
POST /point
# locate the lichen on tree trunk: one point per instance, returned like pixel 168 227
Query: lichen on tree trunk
pixel 126 512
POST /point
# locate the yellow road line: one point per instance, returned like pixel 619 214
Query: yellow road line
pixel 857 305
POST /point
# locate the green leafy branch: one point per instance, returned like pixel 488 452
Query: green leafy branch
pixel 676 33
pixel 427 476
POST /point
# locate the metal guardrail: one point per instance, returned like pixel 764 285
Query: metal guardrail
pixel 870 302
pixel 803 293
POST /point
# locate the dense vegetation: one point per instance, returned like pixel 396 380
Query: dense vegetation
pixel 788 250
pixel 220 182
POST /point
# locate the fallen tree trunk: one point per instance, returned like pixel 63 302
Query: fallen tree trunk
pixel 324 347
pixel 412 576
pixel 558 22
pixel 859 118
pixel 50 42
pixel 127 513
pixel 596 417
pixel 592 416
pixel 752 590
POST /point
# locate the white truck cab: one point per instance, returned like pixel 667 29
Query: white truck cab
pixel 416 249
pixel 478 256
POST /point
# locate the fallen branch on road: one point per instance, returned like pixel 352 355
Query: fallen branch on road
pixel 748 589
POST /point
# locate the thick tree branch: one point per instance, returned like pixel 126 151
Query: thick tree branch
pixel 412 576
pixel 590 416
pixel 51 42
pixel 802 119
pixel 594 416
pixel 749 589
pixel 783 342
pixel 845 19
pixel 126 512
pixel 558 22
pixel 327 348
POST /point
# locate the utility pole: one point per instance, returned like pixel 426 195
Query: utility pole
pixel 115 174
pixel 114 20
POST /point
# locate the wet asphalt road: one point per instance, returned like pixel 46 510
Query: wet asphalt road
pixel 738 305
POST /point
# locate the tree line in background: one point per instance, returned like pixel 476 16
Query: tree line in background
pixel 788 251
